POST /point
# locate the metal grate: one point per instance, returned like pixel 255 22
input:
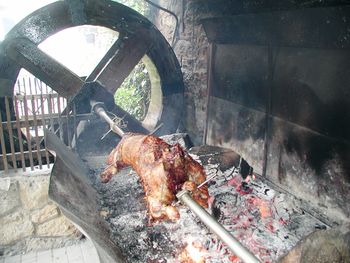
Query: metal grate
pixel 33 107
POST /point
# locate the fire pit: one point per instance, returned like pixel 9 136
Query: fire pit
pixel 269 130
pixel 264 219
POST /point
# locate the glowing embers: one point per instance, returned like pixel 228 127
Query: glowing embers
pixel 267 222
pixel 194 252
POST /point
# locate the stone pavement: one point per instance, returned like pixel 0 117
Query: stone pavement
pixel 84 252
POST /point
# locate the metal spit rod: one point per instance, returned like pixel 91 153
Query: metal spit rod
pixel 237 248
pixel 99 109
pixel 184 196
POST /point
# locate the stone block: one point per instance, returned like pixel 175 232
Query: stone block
pixel 59 226
pixel 33 244
pixel 9 196
pixel 34 191
pixel 48 212
pixel 5 184
pixel 183 47
pixel 322 246
pixel 14 227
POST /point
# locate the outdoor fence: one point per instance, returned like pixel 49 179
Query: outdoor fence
pixel 33 107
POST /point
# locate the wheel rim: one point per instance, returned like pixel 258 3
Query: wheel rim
pixel 139 39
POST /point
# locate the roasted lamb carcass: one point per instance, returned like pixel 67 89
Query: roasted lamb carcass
pixel 164 170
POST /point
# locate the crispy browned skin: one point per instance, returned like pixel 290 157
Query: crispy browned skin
pixel 164 170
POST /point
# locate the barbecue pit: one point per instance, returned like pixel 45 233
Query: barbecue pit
pixel 268 221
pixel 263 197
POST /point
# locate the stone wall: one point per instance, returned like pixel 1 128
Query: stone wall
pixel 29 220
pixel 191 46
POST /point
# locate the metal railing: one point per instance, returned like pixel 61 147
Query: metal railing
pixel 23 117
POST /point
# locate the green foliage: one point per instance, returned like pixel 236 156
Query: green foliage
pixel 134 94
pixel 138 5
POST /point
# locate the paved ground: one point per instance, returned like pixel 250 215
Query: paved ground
pixel 81 253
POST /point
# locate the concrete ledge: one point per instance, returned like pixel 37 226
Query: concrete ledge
pixel 30 220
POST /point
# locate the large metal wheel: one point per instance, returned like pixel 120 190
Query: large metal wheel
pixel 138 38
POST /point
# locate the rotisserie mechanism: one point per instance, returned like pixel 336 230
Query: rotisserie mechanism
pixel 164 170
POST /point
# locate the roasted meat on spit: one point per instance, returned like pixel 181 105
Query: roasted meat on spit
pixel 164 170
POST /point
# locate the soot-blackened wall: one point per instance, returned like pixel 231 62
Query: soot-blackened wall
pixel 279 89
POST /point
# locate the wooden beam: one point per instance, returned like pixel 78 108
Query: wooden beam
pixel 26 54
pixel 118 66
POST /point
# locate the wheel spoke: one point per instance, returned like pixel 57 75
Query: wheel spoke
pixel 26 54
pixel 105 60
pixel 120 60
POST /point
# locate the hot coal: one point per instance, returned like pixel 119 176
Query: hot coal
pixel 125 211
pixel 266 221
pixel 222 203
